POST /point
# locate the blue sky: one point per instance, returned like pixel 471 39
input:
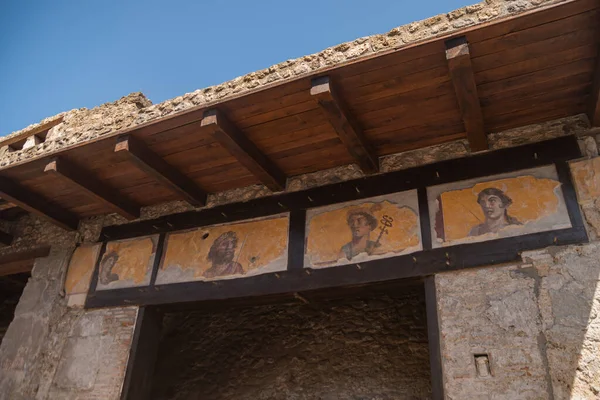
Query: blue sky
pixel 58 55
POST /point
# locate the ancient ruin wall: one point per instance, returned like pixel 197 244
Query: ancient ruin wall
pixel 371 347
pixel 51 351
pixel 47 340
pixel 536 321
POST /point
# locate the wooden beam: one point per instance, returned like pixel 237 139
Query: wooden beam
pixel 463 79
pixel 16 267
pixel 477 166
pixel 93 187
pixel 142 355
pixel 240 147
pixel 5 205
pixel 344 124
pixel 149 162
pixel 35 204
pixel 594 107
pixel 22 261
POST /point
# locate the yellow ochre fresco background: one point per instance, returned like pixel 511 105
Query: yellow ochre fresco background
pixel 533 198
pixel 259 243
pixel 81 267
pixel 329 231
pixel 135 258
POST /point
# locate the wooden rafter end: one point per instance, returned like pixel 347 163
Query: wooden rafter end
pixel 242 148
pixel 146 160
pixel 344 124
pixel 95 189
pixel 35 204
pixel 463 80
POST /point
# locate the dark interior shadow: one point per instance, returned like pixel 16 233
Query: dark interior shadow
pixel 364 347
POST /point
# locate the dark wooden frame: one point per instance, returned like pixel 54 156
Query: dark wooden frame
pixel 137 384
pixel 298 279
pixel 433 339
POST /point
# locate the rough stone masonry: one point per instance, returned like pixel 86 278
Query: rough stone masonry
pixel 371 347
pixel 534 323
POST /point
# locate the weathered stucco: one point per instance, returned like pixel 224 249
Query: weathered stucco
pixel 82 124
pixel 537 321
pixel 52 352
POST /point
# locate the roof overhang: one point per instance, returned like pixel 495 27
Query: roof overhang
pixel 526 69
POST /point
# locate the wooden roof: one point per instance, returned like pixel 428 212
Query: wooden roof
pixel 527 69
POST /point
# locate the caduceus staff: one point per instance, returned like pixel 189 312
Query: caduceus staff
pixel 386 223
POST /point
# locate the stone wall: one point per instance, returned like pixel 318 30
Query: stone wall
pixel 537 321
pixel 54 352
pixel 372 347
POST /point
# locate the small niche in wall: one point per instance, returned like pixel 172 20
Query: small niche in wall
pixel 482 365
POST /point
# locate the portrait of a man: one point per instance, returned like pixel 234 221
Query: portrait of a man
pixel 106 275
pixel 221 255
pixel 361 224
pixel 494 203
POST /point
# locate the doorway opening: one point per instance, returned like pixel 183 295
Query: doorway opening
pixel 354 343
pixel 11 289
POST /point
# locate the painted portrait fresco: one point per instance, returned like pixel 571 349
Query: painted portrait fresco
pixel 226 251
pixel 512 204
pixel 363 230
pixel 127 263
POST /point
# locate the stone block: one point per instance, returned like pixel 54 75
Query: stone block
pixel 79 363
pixel 76 300
pixel 91 323
pixel 491 311
pixel 31 296
pixel 588 146
pixel 570 300
pixel 516 312
pixel 52 267
pixel 586 174
pixel 591 213
pixel 22 342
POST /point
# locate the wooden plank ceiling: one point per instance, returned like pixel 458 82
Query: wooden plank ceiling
pixel 527 69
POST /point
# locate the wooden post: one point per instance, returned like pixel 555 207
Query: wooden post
pixel 433 336
pixel 142 355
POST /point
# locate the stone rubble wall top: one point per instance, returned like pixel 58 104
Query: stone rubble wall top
pixel 80 125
